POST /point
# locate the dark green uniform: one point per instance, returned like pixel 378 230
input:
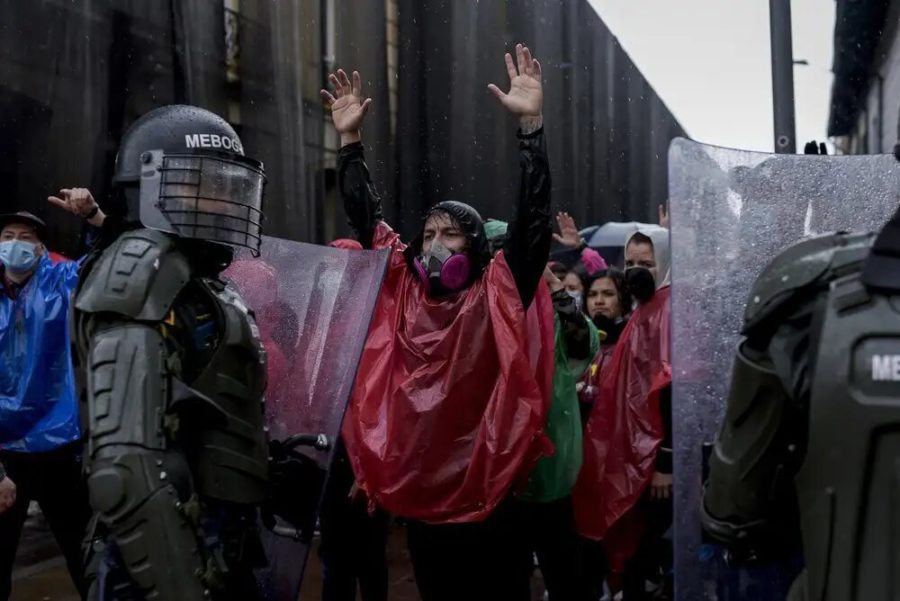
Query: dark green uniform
pixel 813 419
pixel 177 450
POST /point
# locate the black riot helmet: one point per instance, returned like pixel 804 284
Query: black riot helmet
pixel 182 170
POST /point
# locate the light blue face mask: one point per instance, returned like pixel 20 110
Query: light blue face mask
pixel 19 256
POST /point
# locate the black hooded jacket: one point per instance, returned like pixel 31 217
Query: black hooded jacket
pixel 527 245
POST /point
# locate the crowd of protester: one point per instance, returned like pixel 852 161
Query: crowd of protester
pixel 515 412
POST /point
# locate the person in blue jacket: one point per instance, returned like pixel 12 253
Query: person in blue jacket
pixel 40 434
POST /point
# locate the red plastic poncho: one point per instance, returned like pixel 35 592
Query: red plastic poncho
pixel 625 426
pixel 259 289
pixel 259 283
pixel 541 341
pixel 56 257
pixel 446 414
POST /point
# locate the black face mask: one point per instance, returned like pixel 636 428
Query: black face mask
pixel 640 283
pixel 611 327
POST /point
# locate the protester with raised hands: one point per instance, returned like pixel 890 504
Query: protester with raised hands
pixel 447 416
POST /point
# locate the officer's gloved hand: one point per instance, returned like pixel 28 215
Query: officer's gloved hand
pixel 295 486
pixel 815 148
pixel 767 543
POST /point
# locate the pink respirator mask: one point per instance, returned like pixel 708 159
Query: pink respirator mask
pixel 442 268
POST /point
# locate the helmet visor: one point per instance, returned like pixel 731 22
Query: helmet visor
pixel 211 197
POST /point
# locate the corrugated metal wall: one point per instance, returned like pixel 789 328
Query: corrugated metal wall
pixel 608 130
pixel 74 76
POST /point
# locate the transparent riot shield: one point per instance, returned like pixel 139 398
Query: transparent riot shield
pixel 731 212
pixel 313 305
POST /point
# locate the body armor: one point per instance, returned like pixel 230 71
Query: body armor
pixel 848 485
pixel 811 424
pixel 180 468
pixel 176 449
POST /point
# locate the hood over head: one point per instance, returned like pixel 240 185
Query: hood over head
pixel 661 252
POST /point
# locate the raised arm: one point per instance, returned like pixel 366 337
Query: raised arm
pixel 579 335
pixel 528 243
pixel 80 202
pixel 747 500
pixel 361 201
pixel 569 237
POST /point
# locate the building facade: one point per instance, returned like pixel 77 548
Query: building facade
pixel 865 95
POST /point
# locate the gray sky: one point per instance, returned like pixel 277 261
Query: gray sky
pixel 709 60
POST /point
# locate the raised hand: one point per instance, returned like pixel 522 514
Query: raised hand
pixel 568 233
pixel 552 281
pixel 526 92
pixel 7 494
pixel 661 485
pixel 79 201
pixel 347 104
pixel 663 216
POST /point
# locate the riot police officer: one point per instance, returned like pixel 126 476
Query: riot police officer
pixel 810 431
pixel 177 455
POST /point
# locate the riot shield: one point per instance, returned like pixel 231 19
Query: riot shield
pixel 313 305
pixel 731 212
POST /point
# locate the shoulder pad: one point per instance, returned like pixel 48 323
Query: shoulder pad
pixel 138 276
pixel 811 262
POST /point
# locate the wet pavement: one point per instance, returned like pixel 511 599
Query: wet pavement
pixel 40 572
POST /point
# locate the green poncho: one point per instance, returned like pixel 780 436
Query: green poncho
pixel 554 476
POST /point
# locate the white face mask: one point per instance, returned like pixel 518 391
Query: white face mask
pixel 576 296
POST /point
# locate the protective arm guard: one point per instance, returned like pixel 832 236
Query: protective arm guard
pixel 138 277
pixel 749 498
pixel 745 491
pixel 137 485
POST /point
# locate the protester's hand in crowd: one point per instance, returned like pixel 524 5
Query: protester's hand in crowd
pixel 661 486
pixel 554 282
pixel 526 92
pixel 663 216
pixel 7 494
pixel 568 233
pixel 347 105
pixel 355 491
pixel 79 201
